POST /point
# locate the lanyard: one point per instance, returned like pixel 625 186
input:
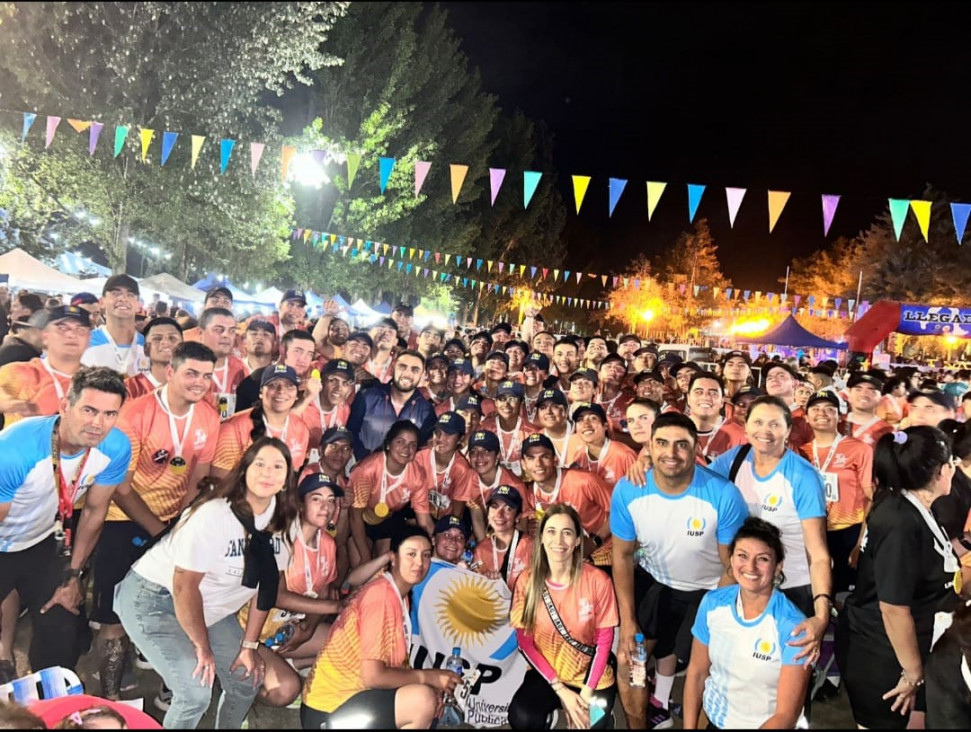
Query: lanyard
pixel 510 558
pixel 54 374
pixel 387 487
pixel 484 495
pixel 561 456
pixel 308 576
pixel 404 610
pixel 67 491
pixel 829 457
pixel 178 443
pixel 283 432
pixel 941 544
pixel 384 369
pixel 447 471
pixel 556 490
pixel 221 383
pixel 332 422
pixel 122 360
pixel 595 464
pixel 704 450
pixel 516 443
pixel 608 405
pixel 856 431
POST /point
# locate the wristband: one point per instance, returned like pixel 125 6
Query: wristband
pixel 251 645
pixel 70 574
pixel 823 594
pixel 915 685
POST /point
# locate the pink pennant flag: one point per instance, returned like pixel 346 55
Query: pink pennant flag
pixel 52 123
pixel 255 153
pixel 496 176
pixel 421 171
pixel 829 211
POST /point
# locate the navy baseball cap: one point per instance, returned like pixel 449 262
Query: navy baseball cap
pixel 746 391
pixel 588 374
pixel 224 291
pixel 84 298
pixel 447 523
pixel 451 423
pixel 539 360
pixel 500 355
pixel 338 366
pixel 336 434
pixel 315 481
pixel 737 354
pixel 43 318
pixel 436 357
pixel 611 357
pixel 551 395
pixel 654 375
pixel 279 371
pixel 463 365
pixel 484 439
pixel 581 408
pixel 294 295
pixel 255 323
pixel 508 495
pixel 469 401
pixel 537 439
pixel 363 337
pixel 510 388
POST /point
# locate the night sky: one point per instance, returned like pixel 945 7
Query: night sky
pixel 866 101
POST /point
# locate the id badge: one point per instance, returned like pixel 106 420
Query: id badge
pixel 832 485
pixel 227 405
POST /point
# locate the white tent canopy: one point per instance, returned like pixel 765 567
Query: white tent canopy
pixel 269 296
pixel 28 273
pixel 168 286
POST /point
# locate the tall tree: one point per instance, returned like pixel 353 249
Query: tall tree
pixel 193 68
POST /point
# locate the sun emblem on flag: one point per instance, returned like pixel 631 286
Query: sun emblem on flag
pixel 470 609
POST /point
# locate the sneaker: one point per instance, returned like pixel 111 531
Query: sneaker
pixel 140 660
pixel 657 716
pixel 163 700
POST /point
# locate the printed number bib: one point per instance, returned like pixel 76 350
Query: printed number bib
pixel 832 485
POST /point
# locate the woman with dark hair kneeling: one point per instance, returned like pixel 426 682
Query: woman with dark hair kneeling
pixel 178 603
pixel 906 574
pixel 742 669
pixel 361 679
pixel 565 614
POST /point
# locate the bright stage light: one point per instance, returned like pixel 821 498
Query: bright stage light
pixel 308 172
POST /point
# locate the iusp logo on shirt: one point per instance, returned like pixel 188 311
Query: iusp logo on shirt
pixel 764 650
pixel 696 525
pixel 772 503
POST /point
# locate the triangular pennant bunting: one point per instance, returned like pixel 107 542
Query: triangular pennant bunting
pixel 898 214
pixel 79 125
pixel 777 202
pixel 734 196
pixel 225 151
pixel 29 118
pixel 829 211
pixel 695 192
pixel 615 190
pixel 52 123
pixel 255 153
pixel 421 172
pixel 197 143
pixel 146 136
pixel 496 176
pixel 922 210
pixel 960 212
pixel 385 166
pixel 530 181
pixel 168 142
pixel 93 135
pixel 580 184
pixel 457 173
pixel 654 191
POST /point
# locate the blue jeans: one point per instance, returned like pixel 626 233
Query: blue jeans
pixel 147 612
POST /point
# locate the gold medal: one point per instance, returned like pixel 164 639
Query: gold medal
pixel 540 512
pixel 382 510
pixel 958 582
pixel 177 465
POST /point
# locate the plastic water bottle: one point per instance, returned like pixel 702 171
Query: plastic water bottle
pixel 452 716
pixel 638 663
pixel 282 636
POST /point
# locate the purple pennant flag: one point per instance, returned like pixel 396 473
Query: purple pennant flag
pixel 94 133
pixel 829 211
pixel 496 176
pixel 318 156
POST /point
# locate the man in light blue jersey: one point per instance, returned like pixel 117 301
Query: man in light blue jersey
pixel 682 521
pixel 47 464
pixel 117 344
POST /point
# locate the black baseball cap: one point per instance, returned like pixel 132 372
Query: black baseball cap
pixel 500 355
pixel 315 481
pixel 503 327
pixel 747 391
pixel 938 397
pixel 469 401
pixel 296 295
pixel 772 365
pixel 508 495
pixel 43 318
pixel 581 408
pixel 551 395
pixel 611 357
pixel 539 360
pixel 588 374
pixel 447 523
pixel 646 349
pixel 224 291
pixel 654 375
pixel 118 281
pixel 484 439
pixel 451 423
pixel 678 368
pixel 538 439
pixel 335 434
pixel 437 357
pixel 628 337
pixel 865 377
pixel 737 354
pixel 261 324
pixel 825 395
pixel 338 366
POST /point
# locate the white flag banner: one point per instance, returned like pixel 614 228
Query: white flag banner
pixel 456 607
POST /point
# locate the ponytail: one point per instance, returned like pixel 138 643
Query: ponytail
pixel 259 426
pixel 909 460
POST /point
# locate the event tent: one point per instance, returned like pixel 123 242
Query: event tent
pixel 28 273
pixel 362 310
pixel 269 296
pixel 790 333
pixel 213 280
pixel 169 286
pixel 74 264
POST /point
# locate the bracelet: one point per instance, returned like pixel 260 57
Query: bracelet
pixel 251 645
pixel 70 574
pixel 914 685
pixel 823 594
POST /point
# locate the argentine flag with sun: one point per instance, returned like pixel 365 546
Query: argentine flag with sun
pixel 456 607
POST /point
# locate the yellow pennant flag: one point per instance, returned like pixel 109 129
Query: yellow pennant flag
pixel 197 141
pixel 286 157
pixel 385 248
pixel 458 173
pixel 922 210
pixel 654 191
pixel 522 269
pixel 421 254
pixel 147 136
pixel 580 184
pixel 411 252
pixel 490 264
pixel 777 202
pixel 447 257
pixel 556 274
pixel 78 125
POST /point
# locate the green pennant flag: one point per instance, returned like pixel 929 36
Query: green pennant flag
pixel 898 213
pixel 121 132
pixel 353 163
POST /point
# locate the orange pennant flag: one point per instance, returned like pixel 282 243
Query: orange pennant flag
pixel 777 202
pixel 78 125
pixel 286 157
pixel 458 173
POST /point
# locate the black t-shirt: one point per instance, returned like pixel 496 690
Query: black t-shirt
pixel 900 564
pixel 951 511
pixel 248 391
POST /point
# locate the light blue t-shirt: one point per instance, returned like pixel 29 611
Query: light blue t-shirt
pixel 679 535
pixel 126 359
pixel 27 477
pixel 746 656
pixel 790 494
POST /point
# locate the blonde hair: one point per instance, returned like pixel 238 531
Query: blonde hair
pixel 539 566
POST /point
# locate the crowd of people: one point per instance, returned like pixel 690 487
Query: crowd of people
pixel 226 479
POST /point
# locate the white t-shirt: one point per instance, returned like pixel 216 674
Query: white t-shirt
pixel 213 541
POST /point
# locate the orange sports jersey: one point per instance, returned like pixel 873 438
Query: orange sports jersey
pixel 481 491
pixel 455 483
pixel 615 459
pixel 589 495
pixel 371 627
pixel 729 435
pixel 146 422
pixel 29 381
pixel 584 607
pixel 318 421
pixel 234 438
pixel 140 384
pixel 853 465
pixel 490 559
pixel 511 442
pixel 368 481
pixel 867 432
pixel 226 379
